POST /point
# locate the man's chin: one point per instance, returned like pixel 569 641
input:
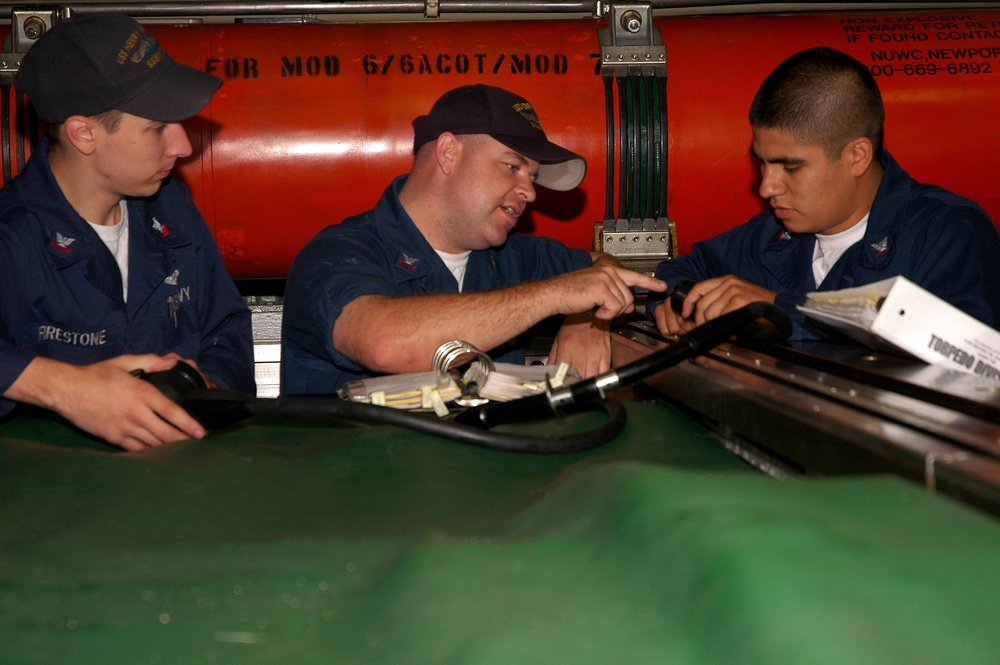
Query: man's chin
pixel 795 224
pixel 146 191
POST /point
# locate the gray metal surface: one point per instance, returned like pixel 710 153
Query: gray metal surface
pixel 443 9
pixel 840 409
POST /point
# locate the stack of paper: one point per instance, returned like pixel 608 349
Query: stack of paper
pixel 432 391
pixel 898 314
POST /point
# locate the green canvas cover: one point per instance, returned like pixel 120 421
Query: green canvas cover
pixel 311 541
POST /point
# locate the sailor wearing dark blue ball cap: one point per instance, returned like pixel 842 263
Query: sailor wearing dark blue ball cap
pixel 98 62
pixel 440 258
pixel 106 265
pixel 508 118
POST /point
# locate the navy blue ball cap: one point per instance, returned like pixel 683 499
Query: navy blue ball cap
pixel 507 118
pixel 94 63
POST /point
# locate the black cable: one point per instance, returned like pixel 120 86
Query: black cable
pixel 215 408
pixel 636 156
pixel 609 119
pixel 661 146
pixel 624 161
pixel 649 161
pixel 694 343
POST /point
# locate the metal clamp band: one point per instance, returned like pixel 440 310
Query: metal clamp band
pixel 450 351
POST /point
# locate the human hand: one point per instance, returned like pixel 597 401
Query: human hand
pixel 605 289
pixel 670 322
pixel 107 400
pixel 714 297
pixel 583 342
pixel 209 383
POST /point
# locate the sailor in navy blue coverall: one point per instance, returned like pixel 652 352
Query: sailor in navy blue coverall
pixel 922 232
pixel 843 212
pixel 61 294
pixel 383 252
pixel 106 266
pixel 436 260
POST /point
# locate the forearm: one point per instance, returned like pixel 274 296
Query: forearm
pixel 106 400
pixel 390 334
pixel 39 383
pixel 401 334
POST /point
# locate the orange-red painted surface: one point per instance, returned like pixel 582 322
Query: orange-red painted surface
pixel 313 121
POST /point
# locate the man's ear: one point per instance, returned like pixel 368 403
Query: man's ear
pixel 861 155
pixel 446 151
pixel 80 133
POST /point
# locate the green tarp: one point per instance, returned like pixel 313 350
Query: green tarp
pixel 293 542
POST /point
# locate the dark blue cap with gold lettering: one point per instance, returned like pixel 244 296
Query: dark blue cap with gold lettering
pixel 509 119
pixel 94 63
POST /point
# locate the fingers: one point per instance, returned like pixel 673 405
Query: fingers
pixel 593 290
pixel 711 298
pixel 717 302
pixel 605 289
pixel 637 279
pixel 152 427
pixel 669 322
pixel 613 293
pixel 152 363
pixel 148 363
pixel 107 400
pixel 630 278
pixel 583 343
pixel 209 383
pixel 130 444
pixel 161 420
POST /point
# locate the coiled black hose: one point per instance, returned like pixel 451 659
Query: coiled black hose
pixel 694 343
pixel 215 408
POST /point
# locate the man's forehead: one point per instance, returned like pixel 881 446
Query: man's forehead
pixel 775 145
pixel 498 150
pixel 518 157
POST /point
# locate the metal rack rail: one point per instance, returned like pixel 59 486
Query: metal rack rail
pixel 825 409
pixel 435 9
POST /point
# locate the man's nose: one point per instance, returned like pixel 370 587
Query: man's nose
pixel 527 190
pixel 179 145
pixel 771 183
